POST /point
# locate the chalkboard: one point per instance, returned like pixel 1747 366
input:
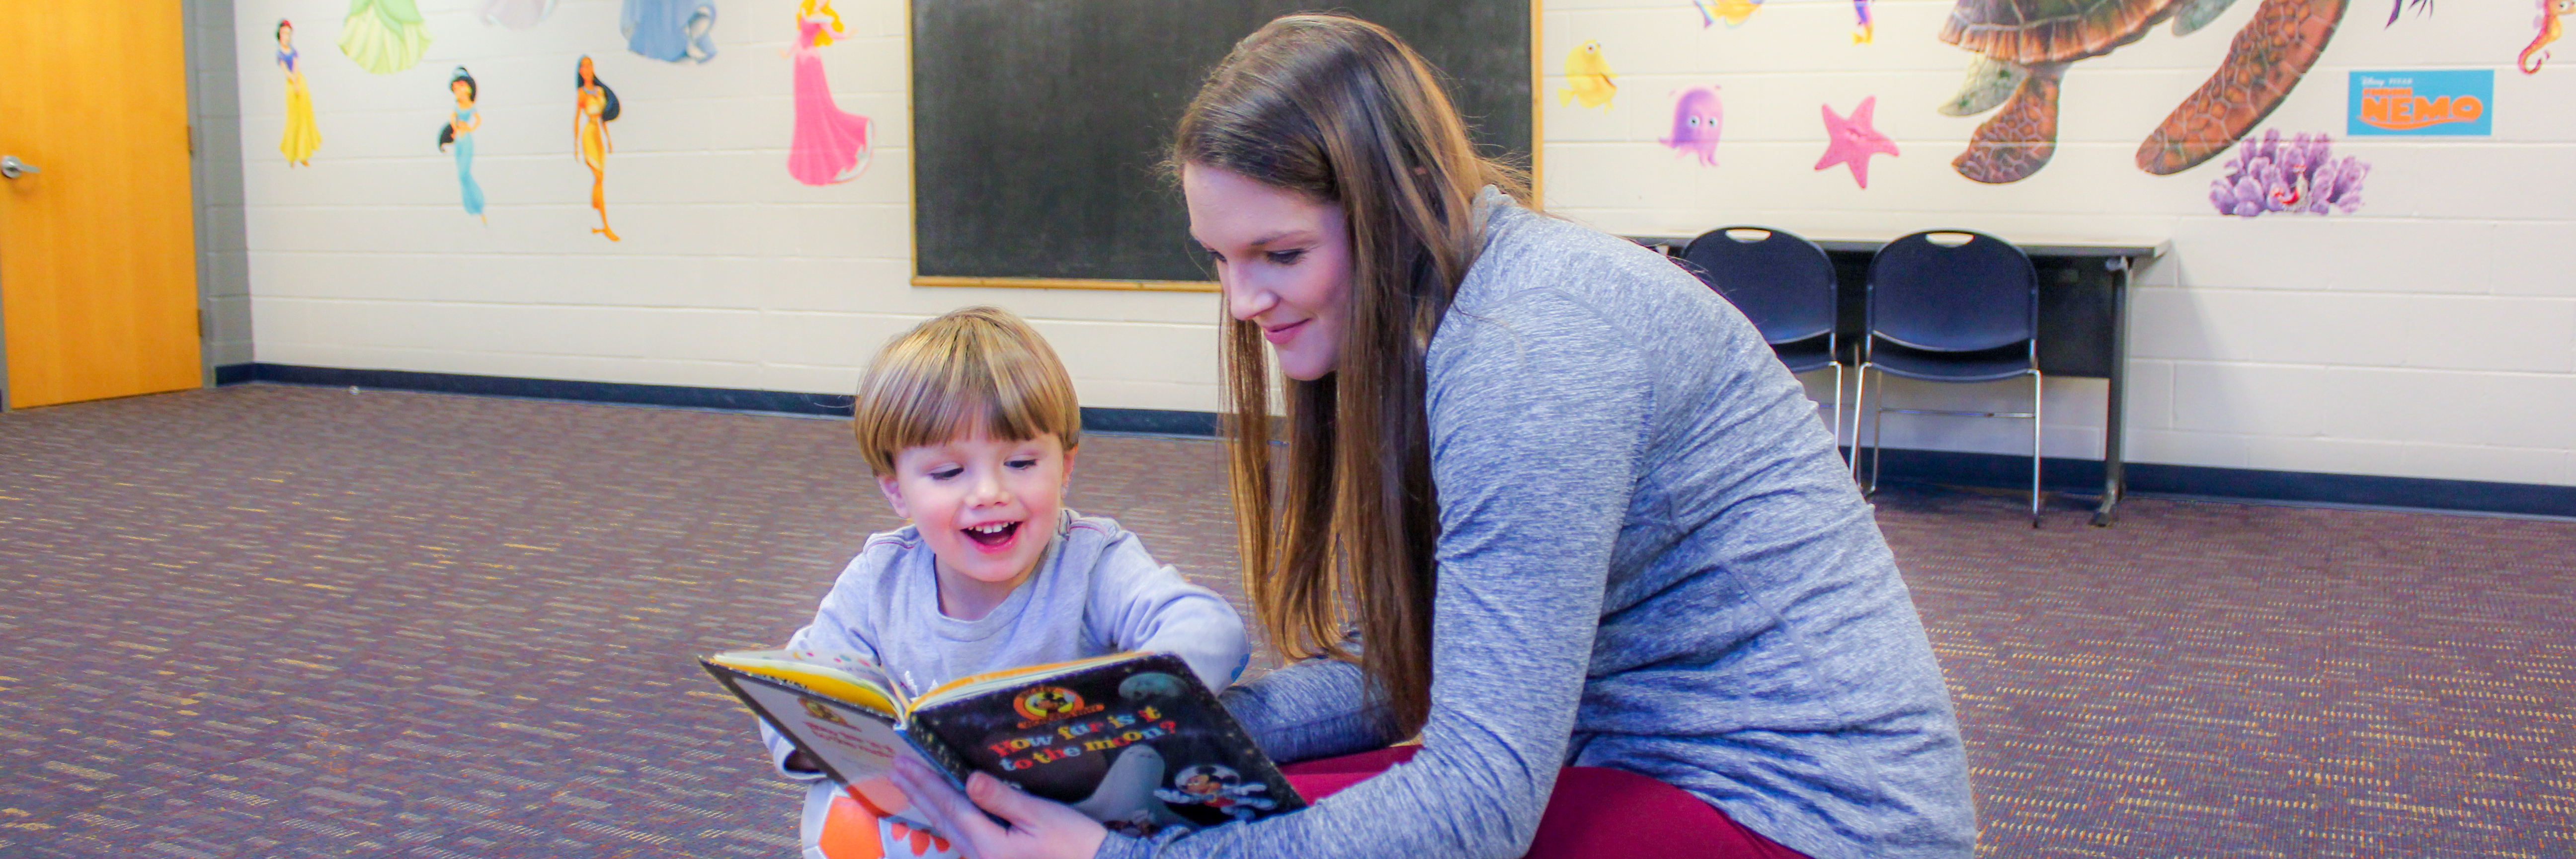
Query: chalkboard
pixel 1038 125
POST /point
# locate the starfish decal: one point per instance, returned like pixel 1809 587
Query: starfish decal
pixel 1850 142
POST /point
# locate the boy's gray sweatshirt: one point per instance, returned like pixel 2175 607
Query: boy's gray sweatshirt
pixel 1094 592
pixel 1651 559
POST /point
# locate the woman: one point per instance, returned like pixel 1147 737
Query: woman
pixel 460 132
pixel 302 136
pixel 594 105
pixel 1581 516
pixel 831 144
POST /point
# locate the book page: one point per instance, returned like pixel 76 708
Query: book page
pixel 976 684
pixel 843 676
pixel 854 744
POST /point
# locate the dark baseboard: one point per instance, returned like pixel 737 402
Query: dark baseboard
pixel 2084 477
pixel 2478 496
pixel 1142 421
pixel 2080 476
pixel 676 396
pixel 1149 422
pixel 1908 465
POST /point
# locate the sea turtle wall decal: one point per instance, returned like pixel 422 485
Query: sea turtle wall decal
pixel 2024 47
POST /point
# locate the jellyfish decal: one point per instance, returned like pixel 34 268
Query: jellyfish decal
pixel 1697 119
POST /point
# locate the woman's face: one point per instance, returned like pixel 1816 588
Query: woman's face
pixel 586 76
pixel 464 96
pixel 286 37
pixel 1284 260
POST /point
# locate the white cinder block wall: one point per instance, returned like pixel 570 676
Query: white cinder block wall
pixel 2431 334
pixel 214 103
pixel 731 273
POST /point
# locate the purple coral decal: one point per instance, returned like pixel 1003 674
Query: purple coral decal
pixel 1697 118
pixel 2299 176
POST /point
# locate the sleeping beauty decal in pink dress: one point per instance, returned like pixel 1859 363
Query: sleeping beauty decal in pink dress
pixel 831 145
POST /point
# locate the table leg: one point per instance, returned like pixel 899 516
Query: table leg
pixel 2115 480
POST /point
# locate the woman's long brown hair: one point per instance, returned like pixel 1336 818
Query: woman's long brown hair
pixel 1340 527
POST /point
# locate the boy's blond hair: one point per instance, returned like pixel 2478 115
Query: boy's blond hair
pixel 976 369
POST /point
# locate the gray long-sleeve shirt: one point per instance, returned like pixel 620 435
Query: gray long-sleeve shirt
pixel 1650 559
pixel 1095 592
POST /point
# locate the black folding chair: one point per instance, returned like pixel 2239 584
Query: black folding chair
pixel 1785 285
pixel 1966 312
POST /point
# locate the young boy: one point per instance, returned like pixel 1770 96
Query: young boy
pixel 971 426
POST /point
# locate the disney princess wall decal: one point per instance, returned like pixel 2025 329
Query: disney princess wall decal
pixel 594 107
pixel 517 14
pixel 670 30
pixel 831 145
pixel 384 36
pixel 459 132
pixel 302 136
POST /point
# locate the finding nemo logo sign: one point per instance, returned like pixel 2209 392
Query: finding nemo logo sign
pixel 2452 102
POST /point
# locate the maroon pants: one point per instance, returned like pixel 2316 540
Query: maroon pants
pixel 1596 813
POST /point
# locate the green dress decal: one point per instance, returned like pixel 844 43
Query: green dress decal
pixel 384 36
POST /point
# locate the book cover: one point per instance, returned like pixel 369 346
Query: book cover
pixel 1133 740
pixel 1138 744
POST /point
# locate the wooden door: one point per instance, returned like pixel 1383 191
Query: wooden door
pixel 98 282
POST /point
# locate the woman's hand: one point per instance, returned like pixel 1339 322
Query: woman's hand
pixel 1039 828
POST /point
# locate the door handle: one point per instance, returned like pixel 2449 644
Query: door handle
pixel 12 168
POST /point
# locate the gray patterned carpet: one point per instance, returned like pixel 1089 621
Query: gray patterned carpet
pixel 266 621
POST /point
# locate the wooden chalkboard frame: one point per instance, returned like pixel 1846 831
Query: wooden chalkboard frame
pixel 912 201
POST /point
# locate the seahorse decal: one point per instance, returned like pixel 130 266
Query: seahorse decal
pixel 2550 28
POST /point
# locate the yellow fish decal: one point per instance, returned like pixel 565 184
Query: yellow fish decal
pixel 1587 77
pixel 1733 12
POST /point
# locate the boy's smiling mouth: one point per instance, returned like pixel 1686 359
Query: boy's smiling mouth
pixel 993 535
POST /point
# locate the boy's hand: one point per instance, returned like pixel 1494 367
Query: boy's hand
pixel 1038 828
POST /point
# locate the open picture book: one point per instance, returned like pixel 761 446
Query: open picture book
pixel 1133 740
